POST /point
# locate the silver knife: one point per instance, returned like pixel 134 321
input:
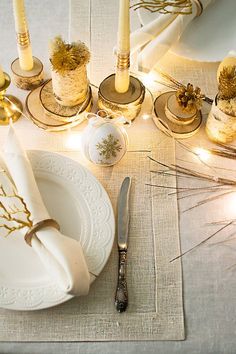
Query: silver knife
pixel 121 297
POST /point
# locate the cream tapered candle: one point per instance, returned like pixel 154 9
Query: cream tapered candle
pixel 2 78
pixel 23 40
pixel 123 48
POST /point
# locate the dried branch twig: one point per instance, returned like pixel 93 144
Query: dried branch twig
pixel 220 183
pixel 189 172
pixel 165 6
pixel 11 214
pixel 175 85
pixel 202 242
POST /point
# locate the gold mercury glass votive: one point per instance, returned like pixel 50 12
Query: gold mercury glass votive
pixel 10 106
pixel 128 104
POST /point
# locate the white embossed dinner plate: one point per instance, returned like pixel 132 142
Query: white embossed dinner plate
pixel 74 198
pixel 209 37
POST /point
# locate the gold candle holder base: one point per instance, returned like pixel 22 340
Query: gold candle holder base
pixel 46 113
pixel 10 106
pixel 53 110
pixel 172 126
pixel 176 114
pixel 27 80
pixel 128 104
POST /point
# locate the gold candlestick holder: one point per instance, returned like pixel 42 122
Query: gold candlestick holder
pixel 10 106
pixel 26 79
pixel 128 103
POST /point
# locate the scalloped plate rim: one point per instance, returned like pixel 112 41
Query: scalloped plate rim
pixel 12 302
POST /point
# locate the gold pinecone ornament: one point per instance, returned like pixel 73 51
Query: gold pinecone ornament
pixel 189 98
pixel 227 83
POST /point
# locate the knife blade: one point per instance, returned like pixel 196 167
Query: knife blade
pixel 121 297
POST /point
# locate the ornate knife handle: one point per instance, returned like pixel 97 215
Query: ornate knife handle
pixel 121 298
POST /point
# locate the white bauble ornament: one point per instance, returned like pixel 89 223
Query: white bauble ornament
pixel 104 140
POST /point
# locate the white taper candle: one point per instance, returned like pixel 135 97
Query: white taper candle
pixel 23 41
pixel 123 46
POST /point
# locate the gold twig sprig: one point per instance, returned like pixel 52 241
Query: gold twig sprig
pixel 13 217
pixel 170 82
pixel 226 151
pixel 223 153
pixel 165 6
pixel 189 172
pixel 202 242
pixel 226 185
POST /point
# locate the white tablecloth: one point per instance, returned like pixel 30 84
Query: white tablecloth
pixel 209 289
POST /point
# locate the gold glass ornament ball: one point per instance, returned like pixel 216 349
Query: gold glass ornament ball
pixel 226 62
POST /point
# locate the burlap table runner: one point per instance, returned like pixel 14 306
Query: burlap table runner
pixel 155 287
pixel 155 309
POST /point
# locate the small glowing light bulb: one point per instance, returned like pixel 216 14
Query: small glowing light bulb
pixel 14 107
pixel 146 116
pixel 203 154
pixel 73 141
pixel 148 79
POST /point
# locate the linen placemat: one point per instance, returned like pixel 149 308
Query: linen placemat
pixel 155 309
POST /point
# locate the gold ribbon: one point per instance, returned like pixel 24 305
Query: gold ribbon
pixel 23 39
pixel 123 61
pixel 39 226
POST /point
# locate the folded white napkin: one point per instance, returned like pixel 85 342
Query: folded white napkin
pixel 147 33
pixel 61 256
pixel 160 35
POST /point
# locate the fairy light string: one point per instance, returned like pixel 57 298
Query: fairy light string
pixel 202 154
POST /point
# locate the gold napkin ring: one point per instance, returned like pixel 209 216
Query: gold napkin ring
pixel 199 7
pixel 39 226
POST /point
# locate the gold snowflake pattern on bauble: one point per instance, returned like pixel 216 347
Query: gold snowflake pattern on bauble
pixel 108 147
